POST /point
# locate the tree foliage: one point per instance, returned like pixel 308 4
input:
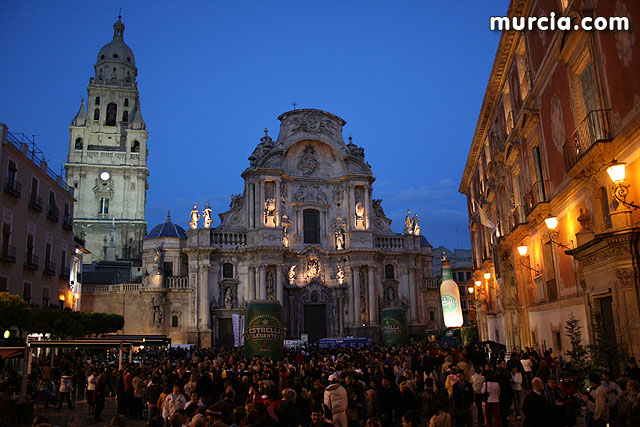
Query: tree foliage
pixel 60 324
pixel 579 354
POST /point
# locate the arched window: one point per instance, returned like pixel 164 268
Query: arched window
pixel 78 143
pixel 112 113
pixel 96 114
pixel 311 225
pixel 227 270
pixel 604 203
pixel 125 116
pixel 135 147
pixel 389 272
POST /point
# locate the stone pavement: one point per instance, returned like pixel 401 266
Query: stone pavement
pixel 78 416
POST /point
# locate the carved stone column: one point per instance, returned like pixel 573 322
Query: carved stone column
pixel 261 199
pixel 205 316
pixel 373 300
pixel 279 286
pixel 352 207
pixel 413 300
pixel 351 299
pixel 341 315
pixel 251 292
pixel 249 205
pixel 355 271
pixel 367 208
pixel 278 204
pixel 263 282
pixel 291 316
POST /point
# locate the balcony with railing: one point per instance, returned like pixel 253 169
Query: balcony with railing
pixel 431 283
pixel 50 268
pixel 390 242
pixel 228 239
pixel 9 254
pixel 53 214
pixel 67 223
pixel 534 197
pixel 176 282
pixel 595 128
pixel 35 202
pixel 31 261
pixel 13 187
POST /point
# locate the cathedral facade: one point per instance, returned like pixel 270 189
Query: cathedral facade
pixel 304 231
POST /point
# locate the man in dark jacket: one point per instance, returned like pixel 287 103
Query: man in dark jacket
pixel 534 406
pixel 288 414
pixel 462 400
pixel 388 400
pixel 205 387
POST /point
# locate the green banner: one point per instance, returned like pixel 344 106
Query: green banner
pixel 394 326
pixel 264 330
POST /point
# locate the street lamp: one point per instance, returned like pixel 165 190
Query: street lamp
pixel 552 225
pixel 522 250
pixel 470 289
pixel 617 173
pixel 487 275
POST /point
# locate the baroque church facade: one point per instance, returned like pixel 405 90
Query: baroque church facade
pixel 304 231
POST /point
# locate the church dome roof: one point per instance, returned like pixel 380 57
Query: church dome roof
pixel 167 229
pixel 117 50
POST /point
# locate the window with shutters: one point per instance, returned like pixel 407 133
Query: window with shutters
pixel 311 225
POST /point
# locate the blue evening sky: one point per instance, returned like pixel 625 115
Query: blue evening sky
pixel 407 76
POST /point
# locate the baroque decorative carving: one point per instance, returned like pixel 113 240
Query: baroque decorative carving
pixel 265 146
pixel 313 123
pixel 206 213
pixel 308 163
pixel 626 277
pixel 354 149
pixel 338 193
pixel 236 202
pixel 557 124
pixel 606 254
pixel 624 39
pixel 310 194
pixel 411 225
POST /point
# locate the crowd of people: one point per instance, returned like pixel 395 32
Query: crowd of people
pixel 419 384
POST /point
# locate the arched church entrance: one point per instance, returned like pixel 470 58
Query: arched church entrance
pixel 315 317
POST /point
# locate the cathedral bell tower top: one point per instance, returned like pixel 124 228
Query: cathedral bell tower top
pixel 117 51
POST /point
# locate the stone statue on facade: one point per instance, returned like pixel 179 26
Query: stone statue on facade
pixel 416 226
pixel 157 314
pixel 408 223
pixel 339 239
pixel 195 217
pixel 359 215
pixel 340 274
pixel 584 219
pixel 313 269
pixel 270 211
pixel 286 223
pixel 228 299
pixel 292 274
pixel 206 214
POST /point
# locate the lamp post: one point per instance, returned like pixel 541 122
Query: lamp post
pixel 617 173
pixel 522 250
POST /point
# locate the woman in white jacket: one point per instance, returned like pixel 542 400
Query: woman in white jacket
pixel 66 387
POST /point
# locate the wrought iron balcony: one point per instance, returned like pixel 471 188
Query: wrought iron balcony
pixel 593 129
pixel 9 254
pixel 13 187
pixel 53 214
pixel 31 261
pixel 35 202
pixel 50 268
pixel 534 197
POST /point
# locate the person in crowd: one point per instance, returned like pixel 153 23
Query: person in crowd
pixel 492 403
pixel 463 398
pixel 336 401
pixel 555 403
pixel 174 402
pixel 629 405
pixel 66 387
pixel 288 414
pixel 613 394
pixel 596 400
pixel 534 405
pixel 477 381
pixel 516 386
pixel 92 380
pixel 441 418
pixel 632 370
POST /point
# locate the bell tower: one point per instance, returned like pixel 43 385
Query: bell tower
pixel 107 160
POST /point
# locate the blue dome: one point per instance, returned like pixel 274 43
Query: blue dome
pixel 168 229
